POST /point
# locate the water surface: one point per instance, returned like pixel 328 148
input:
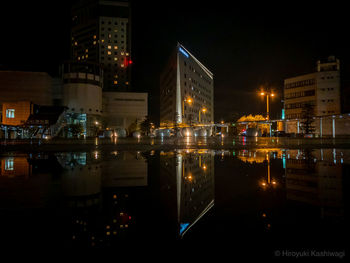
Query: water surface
pixel 264 199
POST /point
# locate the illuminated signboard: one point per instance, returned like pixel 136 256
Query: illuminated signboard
pixel 183 52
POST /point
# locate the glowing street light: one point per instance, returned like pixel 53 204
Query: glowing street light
pixel 268 93
pixel 204 110
pixel 189 101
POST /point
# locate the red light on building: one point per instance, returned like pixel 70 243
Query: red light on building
pixel 127 62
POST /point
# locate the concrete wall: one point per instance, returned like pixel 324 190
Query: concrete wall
pixel 29 86
pixel 121 109
pixel 22 111
pixel 82 98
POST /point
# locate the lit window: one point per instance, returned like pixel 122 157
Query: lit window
pixel 86 56
pixel 9 164
pixel 109 35
pixel 115 47
pixel 127 83
pixel 115 58
pixel 75 43
pixel 10 113
pixel 94 36
pixel 115 82
pixel 86 50
pixel 94 42
pixel 127 54
pixel 109 47
pixel 102 40
pixel 122 53
pixel 109 52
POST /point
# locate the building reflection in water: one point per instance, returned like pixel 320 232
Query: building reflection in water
pixel 312 179
pixel 26 180
pixel 15 166
pixel 315 178
pixel 98 188
pixel 108 196
pixel 187 186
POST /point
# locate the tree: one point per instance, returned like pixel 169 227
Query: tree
pixel 146 125
pixel 75 129
pixel 134 126
pixel 307 115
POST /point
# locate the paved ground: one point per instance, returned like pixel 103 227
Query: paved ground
pixel 145 144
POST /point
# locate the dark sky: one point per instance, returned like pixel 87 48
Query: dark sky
pixel 244 45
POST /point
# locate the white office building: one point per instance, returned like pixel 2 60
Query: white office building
pixel 186 91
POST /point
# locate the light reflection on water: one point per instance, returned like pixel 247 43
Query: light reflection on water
pixel 99 198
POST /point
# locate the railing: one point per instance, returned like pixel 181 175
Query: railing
pixel 57 127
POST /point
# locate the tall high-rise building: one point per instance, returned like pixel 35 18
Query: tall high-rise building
pixel 186 91
pixel 101 33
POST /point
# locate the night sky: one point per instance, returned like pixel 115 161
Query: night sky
pixel 244 45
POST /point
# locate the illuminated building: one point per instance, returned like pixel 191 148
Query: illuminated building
pixel 24 119
pixel 121 109
pixel 82 95
pixel 186 90
pixel 101 34
pixel 321 89
pixel 16 113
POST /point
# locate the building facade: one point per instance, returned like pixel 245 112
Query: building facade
pixel 16 113
pixel 20 90
pixel 320 89
pixel 123 109
pixel 186 91
pixel 82 95
pixel 26 86
pixel 101 34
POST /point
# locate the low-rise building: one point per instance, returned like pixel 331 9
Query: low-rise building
pixel 123 109
pixel 320 89
pixel 315 96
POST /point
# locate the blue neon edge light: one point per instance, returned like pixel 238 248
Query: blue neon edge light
pixel 183 227
pixel 183 52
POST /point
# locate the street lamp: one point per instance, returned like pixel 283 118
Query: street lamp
pixel 189 101
pixel 267 93
pixel 199 113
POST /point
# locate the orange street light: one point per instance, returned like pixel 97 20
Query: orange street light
pixel 204 110
pixel 268 94
pixel 189 101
